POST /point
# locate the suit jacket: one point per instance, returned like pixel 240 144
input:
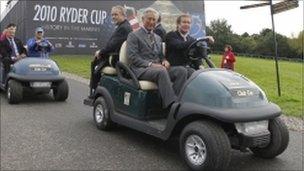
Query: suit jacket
pixel 118 37
pixel 140 52
pixel 6 50
pixel 176 48
pixel 159 30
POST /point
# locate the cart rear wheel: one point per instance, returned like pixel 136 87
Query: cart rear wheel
pixel 101 114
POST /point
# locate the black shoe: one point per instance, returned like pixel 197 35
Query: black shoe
pixel 91 96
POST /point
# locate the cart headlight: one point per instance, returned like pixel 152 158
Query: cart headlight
pixel 252 128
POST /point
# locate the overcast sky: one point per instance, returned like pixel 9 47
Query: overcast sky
pixel 253 20
pixel 250 20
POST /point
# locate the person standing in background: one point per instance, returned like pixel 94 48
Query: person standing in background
pixel 159 29
pixel 228 58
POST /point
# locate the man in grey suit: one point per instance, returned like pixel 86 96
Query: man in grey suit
pixel 144 50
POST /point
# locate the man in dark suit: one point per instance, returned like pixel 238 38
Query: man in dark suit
pixel 144 50
pixel 11 48
pixel 159 29
pixel 177 43
pixel 123 28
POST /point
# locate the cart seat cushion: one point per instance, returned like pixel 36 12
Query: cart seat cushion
pixel 147 85
pixel 123 54
pixel 109 70
pixel 144 85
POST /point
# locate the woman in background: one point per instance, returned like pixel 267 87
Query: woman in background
pixel 228 58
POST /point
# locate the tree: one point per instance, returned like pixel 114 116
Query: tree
pixel 245 35
pixel 222 33
pixel 265 44
pixel 296 44
pixel 258 44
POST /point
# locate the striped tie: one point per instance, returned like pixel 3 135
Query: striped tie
pixel 14 47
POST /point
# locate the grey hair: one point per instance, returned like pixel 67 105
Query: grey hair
pixel 121 9
pixel 151 10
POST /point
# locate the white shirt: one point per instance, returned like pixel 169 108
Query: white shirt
pixel 184 36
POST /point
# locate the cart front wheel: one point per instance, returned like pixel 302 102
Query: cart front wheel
pixel 278 143
pixel 14 92
pixel 205 146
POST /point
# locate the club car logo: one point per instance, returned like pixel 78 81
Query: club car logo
pixel 244 93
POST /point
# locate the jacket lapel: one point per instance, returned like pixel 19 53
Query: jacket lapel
pixel 146 38
pixel 8 45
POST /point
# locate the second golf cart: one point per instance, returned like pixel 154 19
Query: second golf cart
pixel 36 75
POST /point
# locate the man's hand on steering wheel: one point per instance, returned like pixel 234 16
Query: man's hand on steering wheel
pixel 210 39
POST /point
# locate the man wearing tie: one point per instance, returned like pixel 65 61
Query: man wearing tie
pixel 144 50
pixel 11 48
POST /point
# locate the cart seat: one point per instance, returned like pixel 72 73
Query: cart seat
pixel 108 70
pixel 143 84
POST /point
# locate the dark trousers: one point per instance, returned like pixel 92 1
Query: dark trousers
pixel 169 82
pixel 96 66
pixel 6 62
pixel 95 75
pixel 196 64
pixel 190 71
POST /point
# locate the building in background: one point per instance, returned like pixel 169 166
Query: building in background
pixel 82 27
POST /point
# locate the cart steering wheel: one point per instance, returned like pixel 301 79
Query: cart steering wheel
pixel 194 47
pixel 198 51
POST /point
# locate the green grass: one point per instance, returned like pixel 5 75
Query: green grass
pixel 261 71
pixel 76 64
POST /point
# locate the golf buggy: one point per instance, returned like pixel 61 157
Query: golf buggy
pixel 216 110
pixel 35 75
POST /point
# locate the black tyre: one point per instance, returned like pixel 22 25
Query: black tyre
pixel 205 146
pixel 14 92
pixel 61 91
pixel 101 114
pixel 278 143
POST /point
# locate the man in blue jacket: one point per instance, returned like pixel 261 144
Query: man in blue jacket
pixel 38 46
